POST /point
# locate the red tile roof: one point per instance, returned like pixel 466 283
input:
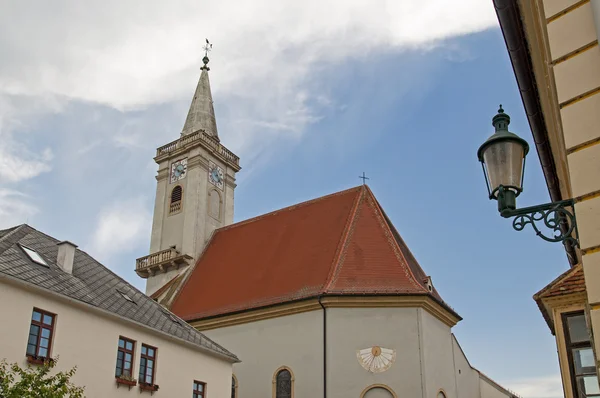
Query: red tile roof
pixel 569 282
pixel 337 244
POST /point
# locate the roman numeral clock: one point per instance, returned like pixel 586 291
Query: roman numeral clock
pixel 215 175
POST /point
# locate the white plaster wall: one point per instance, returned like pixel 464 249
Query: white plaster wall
pixel 263 346
pixel 351 329
pixel 438 356
pixel 467 379
pixel 88 340
pixel 490 391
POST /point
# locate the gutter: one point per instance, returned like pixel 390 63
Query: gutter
pixel 509 17
pixel 324 347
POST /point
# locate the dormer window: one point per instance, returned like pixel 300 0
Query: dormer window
pixel 176 197
pixel 126 297
pixel 34 256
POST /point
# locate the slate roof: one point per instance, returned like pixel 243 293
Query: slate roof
pixel 339 244
pixel 91 283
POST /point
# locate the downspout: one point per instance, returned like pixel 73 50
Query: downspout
pixel 324 347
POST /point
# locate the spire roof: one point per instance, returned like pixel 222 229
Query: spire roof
pixel 201 115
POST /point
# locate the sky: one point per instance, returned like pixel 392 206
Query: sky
pixel 310 95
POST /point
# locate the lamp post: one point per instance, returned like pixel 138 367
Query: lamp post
pixel 502 158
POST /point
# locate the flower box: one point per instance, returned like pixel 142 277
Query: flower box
pixel 148 387
pixel 125 382
pixel 36 360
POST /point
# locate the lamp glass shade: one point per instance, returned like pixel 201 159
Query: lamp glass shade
pixel 503 161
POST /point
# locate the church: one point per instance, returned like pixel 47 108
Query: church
pixel 319 299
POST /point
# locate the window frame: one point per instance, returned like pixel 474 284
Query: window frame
pixel 125 351
pixel 146 357
pixel 197 393
pixel 570 346
pixel 292 380
pixel 36 358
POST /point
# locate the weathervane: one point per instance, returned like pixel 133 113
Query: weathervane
pixel 207 48
pixel 364 178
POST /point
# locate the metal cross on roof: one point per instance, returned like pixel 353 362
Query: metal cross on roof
pixel 207 47
pixel 364 178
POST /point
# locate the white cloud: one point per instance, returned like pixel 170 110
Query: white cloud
pixel 131 54
pixel 121 227
pixel 537 387
pixel 17 161
pixel 15 208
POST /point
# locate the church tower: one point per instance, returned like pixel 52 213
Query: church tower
pixel 194 193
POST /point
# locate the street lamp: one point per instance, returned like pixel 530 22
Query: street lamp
pixel 502 158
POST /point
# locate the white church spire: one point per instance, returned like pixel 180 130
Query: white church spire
pixel 201 115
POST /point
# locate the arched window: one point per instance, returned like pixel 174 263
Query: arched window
pixel 176 197
pixel 214 204
pixel 378 391
pixel 441 394
pixel 234 386
pixel 283 383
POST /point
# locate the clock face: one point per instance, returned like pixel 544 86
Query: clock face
pixel 178 170
pixel 215 175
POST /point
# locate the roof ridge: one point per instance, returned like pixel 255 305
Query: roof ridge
pixel 394 242
pixel 13 231
pixel 287 208
pixel 335 265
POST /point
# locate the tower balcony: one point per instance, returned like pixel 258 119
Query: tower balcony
pixel 198 138
pixel 161 261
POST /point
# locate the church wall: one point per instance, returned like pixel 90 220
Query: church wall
pixel 352 329
pixel 438 356
pixel 88 339
pixel 490 391
pixel 295 341
pixel 159 209
pixel 467 379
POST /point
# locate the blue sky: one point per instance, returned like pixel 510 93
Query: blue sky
pixel 308 107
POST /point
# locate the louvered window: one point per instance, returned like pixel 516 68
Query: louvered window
pixel 176 196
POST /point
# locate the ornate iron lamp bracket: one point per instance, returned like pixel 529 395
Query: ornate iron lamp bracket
pixel 556 216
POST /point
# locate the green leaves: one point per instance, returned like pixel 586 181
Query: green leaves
pixel 37 382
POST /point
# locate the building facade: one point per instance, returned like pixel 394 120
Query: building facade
pixel 553 47
pixel 60 302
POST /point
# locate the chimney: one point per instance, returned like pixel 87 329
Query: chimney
pixel 66 254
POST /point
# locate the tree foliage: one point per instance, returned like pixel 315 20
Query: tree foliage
pixel 37 382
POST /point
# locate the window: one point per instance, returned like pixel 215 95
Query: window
pixel 40 334
pixel 34 256
pixel 126 297
pixel 581 357
pixel 199 389
pixel 125 354
pixel 283 384
pixel 147 364
pixel 214 204
pixel 441 395
pixel 234 386
pixel 176 195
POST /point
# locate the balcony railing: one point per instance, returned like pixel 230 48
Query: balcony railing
pixel 205 139
pixel 160 261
